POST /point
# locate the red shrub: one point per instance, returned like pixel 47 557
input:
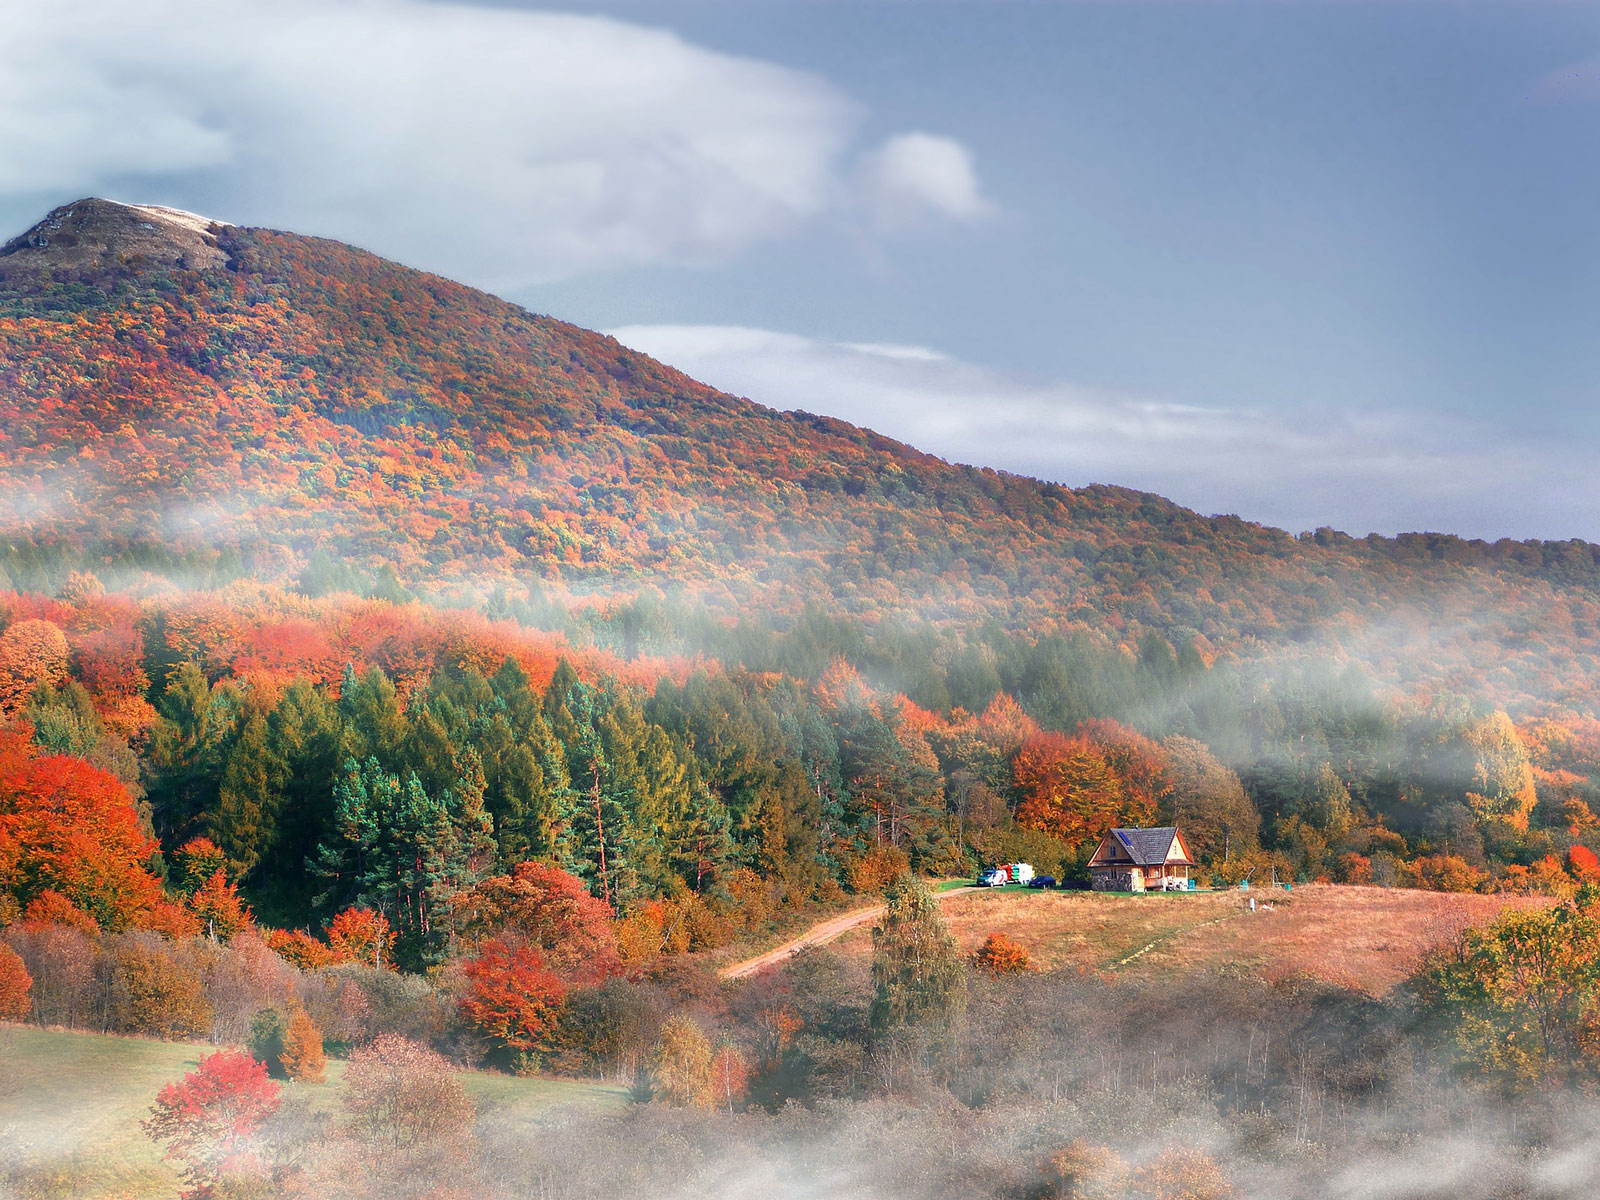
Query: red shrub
pixel 207 1119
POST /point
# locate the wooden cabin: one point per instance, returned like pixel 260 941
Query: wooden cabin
pixel 1141 860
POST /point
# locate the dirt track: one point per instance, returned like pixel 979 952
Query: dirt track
pixel 819 934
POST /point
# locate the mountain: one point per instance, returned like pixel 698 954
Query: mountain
pixel 171 385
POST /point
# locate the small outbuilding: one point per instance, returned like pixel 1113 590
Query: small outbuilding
pixel 1141 860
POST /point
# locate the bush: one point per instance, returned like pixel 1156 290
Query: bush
pixel 402 1095
pixel 156 994
pixel 267 1033
pixel 1001 954
pixel 208 1120
pixel 683 1065
pixel 62 962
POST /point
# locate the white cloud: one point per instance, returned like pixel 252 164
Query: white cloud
pixel 916 175
pixel 501 146
pixel 1360 471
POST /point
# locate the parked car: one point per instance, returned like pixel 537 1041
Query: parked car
pixel 994 877
pixel 1047 882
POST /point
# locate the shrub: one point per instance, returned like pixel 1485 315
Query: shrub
pixel 1001 954
pixel 302 1058
pixel 683 1065
pixel 157 995
pixel 208 1119
pixel 1084 1171
pixel 62 961
pixel 1183 1173
pixel 402 1095
pixel 267 1033
pixel 241 978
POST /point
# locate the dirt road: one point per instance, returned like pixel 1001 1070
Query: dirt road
pixel 819 934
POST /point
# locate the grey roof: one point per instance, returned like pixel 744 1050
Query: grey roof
pixel 1147 847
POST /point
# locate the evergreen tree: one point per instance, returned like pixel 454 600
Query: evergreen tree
pixel 403 853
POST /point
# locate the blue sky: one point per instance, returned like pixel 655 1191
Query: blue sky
pixel 1314 264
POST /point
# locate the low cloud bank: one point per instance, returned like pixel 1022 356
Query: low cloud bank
pixel 1360 471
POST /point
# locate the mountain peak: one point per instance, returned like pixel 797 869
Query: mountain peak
pixel 92 232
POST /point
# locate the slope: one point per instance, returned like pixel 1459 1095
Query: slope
pixel 169 386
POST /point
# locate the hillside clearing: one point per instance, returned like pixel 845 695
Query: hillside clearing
pixel 70 1106
pixel 1362 937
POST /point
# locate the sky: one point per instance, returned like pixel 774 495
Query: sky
pixel 1314 264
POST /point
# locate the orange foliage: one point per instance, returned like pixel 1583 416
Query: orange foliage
pixel 15 986
pixel 302 1058
pixel 1001 954
pixel 32 654
pixel 512 996
pixel 300 948
pixel 50 907
pixel 359 935
pixel 1072 790
pixel 69 827
pixel 218 908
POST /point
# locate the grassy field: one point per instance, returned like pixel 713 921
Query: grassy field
pixel 70 1105
pixel 1368 938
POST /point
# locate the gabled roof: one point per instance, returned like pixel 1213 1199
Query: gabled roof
pixel 1146 847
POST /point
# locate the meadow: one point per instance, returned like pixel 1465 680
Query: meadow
pixel 71 1103
pixel 1365 938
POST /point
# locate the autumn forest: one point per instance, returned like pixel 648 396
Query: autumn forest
pixel 392 674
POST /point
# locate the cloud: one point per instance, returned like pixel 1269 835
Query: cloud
pixel 501 146
pixel 1361 471
pixel 917 175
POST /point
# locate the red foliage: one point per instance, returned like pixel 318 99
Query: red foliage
pixel 550 909
pixel 70 827
pixel 512 996
pixel 207 1119
pixel 359 935
pixel 1583 864
pixel 15 986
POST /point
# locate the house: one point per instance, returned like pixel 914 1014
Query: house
pixel 1138 860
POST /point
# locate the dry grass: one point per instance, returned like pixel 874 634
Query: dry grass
pixel 1367 938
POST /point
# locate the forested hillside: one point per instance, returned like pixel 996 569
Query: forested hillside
pixel 158 409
